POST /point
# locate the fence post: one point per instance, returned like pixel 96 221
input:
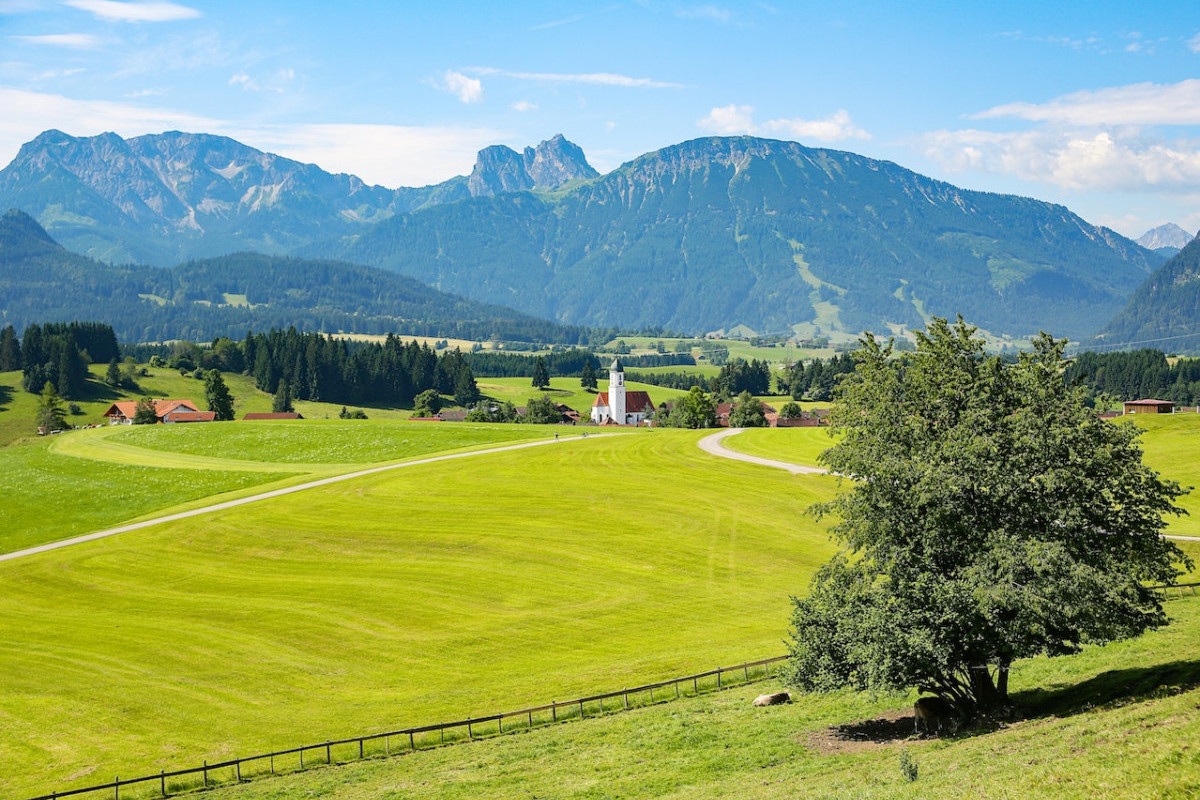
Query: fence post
pixel 695 685
pixel 328 758
pixel 412 742
pixel 162 781
pixel 676 688
pixel 301 758
pixel 206 769
pixel 530 720
pixel 470 735
pixel 747 670
pixel 272 763
pixel 625 695
pixel 500 722
pixel 117 787
pixel 360 749
pixel 581 708
pixel 239 771
pixel 554 710
pixel 718 677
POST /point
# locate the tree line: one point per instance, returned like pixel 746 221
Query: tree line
pixel 57 353
pixel 1136 375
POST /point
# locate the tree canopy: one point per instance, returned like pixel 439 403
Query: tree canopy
pixel 991 516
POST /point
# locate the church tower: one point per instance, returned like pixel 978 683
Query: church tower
pixel 616 391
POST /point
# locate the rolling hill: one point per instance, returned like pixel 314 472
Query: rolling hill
pixel 227 295
pixel 1165 310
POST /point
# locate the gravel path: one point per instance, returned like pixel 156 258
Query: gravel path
pixel 42 548
pixel 714 445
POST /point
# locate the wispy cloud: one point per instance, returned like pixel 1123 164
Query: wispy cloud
pixel 735 119
pixel 1135 104
pixel 135 12
pixel 78 41
pixel 595 78
pixel 1080 160
pixel 277 82
pixel 524 106
pixel 1194 43
pixel 709 12
pixel 571 20
pixel 466 88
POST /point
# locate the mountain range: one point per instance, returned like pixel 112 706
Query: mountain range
pixel 1164 311
pixel 701 236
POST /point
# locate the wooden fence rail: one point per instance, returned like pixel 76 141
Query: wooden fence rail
pixel 421 737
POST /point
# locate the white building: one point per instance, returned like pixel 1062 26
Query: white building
pixel 618 406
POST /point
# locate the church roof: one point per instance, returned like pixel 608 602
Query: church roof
pixel 616 365
pixel 635 401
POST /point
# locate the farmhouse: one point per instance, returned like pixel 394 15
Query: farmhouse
pixel 1149 407
pixel 167 411
pixel 618 406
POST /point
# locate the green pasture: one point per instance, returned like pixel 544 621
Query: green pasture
pixel 783 354
pixel 81 481
pixel 793 445
pixel 432 592
pixel 1112 722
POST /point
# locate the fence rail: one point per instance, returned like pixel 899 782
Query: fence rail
pixel 421 737
pixel 1165 591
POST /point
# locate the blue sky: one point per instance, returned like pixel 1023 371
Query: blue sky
pixel 1094 105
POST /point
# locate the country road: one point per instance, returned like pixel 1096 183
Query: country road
pixel 241 501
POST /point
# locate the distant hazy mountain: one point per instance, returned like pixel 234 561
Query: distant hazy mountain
pixel 1169 235
pixel 720 231
pixel 40 281
pixel 162 198
pixel 1164 312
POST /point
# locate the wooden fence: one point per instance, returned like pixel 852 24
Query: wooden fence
pixel 407 740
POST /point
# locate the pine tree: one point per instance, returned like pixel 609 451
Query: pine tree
pixel 587 380
pixel 281 403
pixel 10 350
pixel 51 414
pixel 541 378
pixel 218 396
pixel 112 375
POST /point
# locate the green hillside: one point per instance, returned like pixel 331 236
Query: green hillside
pixel 720 232
pixel 1164 311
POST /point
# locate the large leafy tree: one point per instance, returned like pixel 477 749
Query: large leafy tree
pixel 748 412
pixel 990 516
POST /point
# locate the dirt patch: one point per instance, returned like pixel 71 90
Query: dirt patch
pixel 855 737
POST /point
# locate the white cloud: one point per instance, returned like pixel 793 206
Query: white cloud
pixel 80 41
pixel 524 105
pixel 835 128
pixel 276 81
pixel 1135 104
pixel 729 120
pixel 1194 43
pixel 384 154
pixel 135 12
pixel 596 78
pixel 735 119
pixel 468 90
pixel 1080 160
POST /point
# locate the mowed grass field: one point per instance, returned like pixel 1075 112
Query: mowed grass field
pixel 1113 722
pixel 433 592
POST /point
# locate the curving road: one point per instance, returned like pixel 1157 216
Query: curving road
pixel 714 445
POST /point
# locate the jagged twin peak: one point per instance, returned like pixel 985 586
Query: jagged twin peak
pixel 552 163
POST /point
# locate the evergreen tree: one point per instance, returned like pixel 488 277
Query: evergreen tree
pixel 218 396
pixel 51 415
pixel 281 403
pixel 541 378
pixel 144 412
pixel 112 376
pixel 10 350
pixel 587 379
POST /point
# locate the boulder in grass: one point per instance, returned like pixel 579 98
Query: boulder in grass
pixel 776 699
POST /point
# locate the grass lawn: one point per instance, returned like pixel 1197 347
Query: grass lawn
pixel 444 590
pixel 1113 722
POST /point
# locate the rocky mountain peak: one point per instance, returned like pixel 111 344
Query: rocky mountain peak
pixel 499 169
pixel 1169 235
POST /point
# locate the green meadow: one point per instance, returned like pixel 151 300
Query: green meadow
pixel 431 592
pixel 459 588
pixel 1113 722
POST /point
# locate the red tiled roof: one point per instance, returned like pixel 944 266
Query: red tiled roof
pixel 635 401
pixel 127 408
pixel 194 416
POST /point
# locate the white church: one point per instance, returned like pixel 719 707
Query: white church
pixel 618 406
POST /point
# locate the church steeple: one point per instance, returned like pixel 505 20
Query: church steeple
pixel 616 391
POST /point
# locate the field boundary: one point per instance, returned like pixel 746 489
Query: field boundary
pixel 425 737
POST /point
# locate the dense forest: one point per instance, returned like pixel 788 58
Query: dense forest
pixel 1137 375
pixel 57 353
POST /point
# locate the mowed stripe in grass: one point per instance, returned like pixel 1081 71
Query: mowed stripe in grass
pixel 435 592
pixel 82 481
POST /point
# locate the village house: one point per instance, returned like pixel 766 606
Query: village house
pixel 167 411
pixel 618 406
